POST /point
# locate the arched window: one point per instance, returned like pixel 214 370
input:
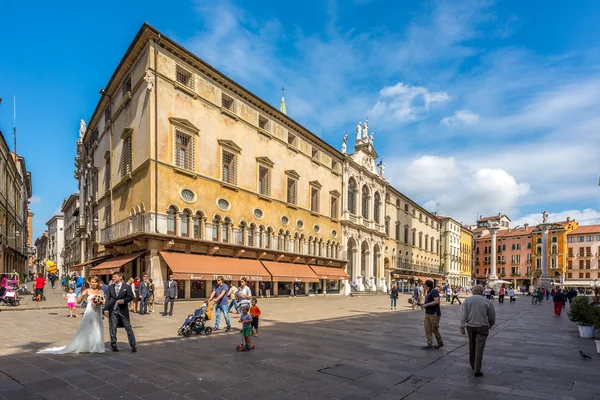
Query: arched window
pixel 365 202
pixel 185 220
pixel 268 238
pixel 197 218
pixel 226 226
pixel 426 242
pixel 420 240
pixel 352 193
pixel 377 208
pixel 215 228
pixel 251 234
pixel 261 234
pixel 171 220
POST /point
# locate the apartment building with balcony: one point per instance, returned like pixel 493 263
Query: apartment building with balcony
pixel 583 256
pixel 184 171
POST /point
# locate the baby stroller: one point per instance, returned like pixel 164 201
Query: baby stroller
pixel 196 322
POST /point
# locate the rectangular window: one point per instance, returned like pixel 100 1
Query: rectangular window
pixel 334 207
pixel 587 274
pixel 581 274
pixel 580 264
pixel 598 238
pixel 314 199
pixel 184 77
pixel 126 86
pixel 570 264
pixel 590 238
pixel 292 139
pixel 292 191
pixel 229 162
pixel 95 185
pixel 406 207
pixel 570 252
pixel 529 246
pixel 126 157
pixel 107 216
pixel 588 251
pixel 406 235
pixel 315 153
pixel 184 150
pixel 569 275
pixel 335 165
pixel 398 232
pixel 107 176
pixel 264 180
pixel 263 123
pixel 228 103
pixel 580 238
pixel 588 264
pixel 571 239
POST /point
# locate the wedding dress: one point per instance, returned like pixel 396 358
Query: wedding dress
pixel 89 337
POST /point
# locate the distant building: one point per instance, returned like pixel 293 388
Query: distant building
pixel 41 256
pixel 56 241
pixel 71 254
pixel 466 256
pixel 583 256
pixel 557 249
pixel 451 250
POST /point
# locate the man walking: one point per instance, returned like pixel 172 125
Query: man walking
pixel 171 293
pixel 478 316
pixel 221 303
pixel 559 302
pixel 79 283
pixel 144 293
pixel 432 317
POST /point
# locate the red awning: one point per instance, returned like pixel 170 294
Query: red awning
pixel 335 274
pixel 114 264
pixel 287 272
pixel 199 267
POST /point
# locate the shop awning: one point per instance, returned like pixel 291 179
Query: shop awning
pixel 79 267
pixel 335 274
pixel 198 267
pixel 114 264
pixel 287 272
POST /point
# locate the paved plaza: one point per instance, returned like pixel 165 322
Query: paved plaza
pixel 309 348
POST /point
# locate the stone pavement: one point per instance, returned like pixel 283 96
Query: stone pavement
pixel 309 348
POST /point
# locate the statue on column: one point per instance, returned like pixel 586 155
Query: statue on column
pixel 344 143
pixel 358 131
pixel 82 129
pixel 365 136
pixel 371 138
pixel 544 217
pixel 381 166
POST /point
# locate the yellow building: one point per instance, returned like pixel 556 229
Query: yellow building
pixel 184 171
pixel 557 249
pixel 466 256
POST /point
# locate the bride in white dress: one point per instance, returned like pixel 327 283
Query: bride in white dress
pixel 89 337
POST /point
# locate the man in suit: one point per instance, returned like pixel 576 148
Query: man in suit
pixel 117 310
pixel 144 293
pixel 171 294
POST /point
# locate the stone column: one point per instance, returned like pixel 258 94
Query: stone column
pixel 493 277
pixel 544 280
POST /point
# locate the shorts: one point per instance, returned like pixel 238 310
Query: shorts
pixel 71 305
pixel 255 322
pixel 246 331
pixel 39 291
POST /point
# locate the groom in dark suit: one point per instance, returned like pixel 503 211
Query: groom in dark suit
pixel 116 309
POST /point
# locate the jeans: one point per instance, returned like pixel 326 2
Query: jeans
pixel 78 291
pixel 234 304
pixel 225 309
pixel 394 299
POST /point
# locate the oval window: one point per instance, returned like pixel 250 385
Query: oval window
pixel 188 195
pixel 316 228
pixel 258 213
pixel 223 204
pixel 300 224
pixel 285 220
pixel 334 233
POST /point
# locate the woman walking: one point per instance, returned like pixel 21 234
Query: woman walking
pixel 394 296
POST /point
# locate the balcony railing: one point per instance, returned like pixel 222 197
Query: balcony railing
pixel 223 233
pixel 417 267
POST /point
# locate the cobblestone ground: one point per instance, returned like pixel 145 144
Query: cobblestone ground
pixel 309 348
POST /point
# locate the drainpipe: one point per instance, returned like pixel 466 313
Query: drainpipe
pixel 156 134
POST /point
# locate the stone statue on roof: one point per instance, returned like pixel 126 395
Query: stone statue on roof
pixel 544 217
pixel 365 136
pixel 371 137
pixel 358 131
pixel 344 143
pixel 82 129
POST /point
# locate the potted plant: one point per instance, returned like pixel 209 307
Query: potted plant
pixel 582 313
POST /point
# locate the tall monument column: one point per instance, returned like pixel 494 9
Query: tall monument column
pixel 544 278
pixel 493 228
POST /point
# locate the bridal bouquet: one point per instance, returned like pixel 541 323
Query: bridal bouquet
pixel 99 300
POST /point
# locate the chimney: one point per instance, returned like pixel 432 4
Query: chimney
pixel 525 226
pixel 481 217
pixel 499 214
pixel 568 219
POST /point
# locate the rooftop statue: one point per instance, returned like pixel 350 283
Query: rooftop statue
pixel 82 129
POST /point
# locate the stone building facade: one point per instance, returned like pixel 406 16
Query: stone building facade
pixel 56 241
pixel 451 250
pixel 71 253
pixel 583 257
pixel 466 256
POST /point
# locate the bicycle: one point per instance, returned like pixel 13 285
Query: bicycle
pixel 535 300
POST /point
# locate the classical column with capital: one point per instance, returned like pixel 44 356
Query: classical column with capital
pixel 544 280
pixel 493 277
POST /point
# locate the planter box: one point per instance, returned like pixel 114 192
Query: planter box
pixel 586 332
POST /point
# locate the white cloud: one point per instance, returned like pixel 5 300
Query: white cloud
pixel 586 216
pixel 461 117
pixel 35 199
pixel 405 103
pixel 455 189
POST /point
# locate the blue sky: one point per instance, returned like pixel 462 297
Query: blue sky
pixel 478 107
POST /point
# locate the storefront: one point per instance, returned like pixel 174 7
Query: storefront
pixel 197 273
pixel 286 275
pixel 329 279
